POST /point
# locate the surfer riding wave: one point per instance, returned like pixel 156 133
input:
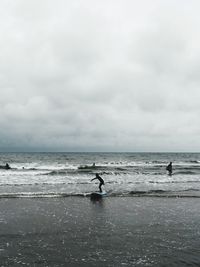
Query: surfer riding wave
pixel 98 177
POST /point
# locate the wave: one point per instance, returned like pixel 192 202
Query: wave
pixel 185 172
pixel 168 193
pixel 156 162
pixel 193 161
pixel 109 169
pixel 85 171
pixel 174 182
pixel 88 182
pixel 56 172
pixel 45 183
pixel 191 193
pixel 121 171
pixel 35 195
pixel 147 192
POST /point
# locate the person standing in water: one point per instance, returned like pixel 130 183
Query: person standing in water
pixel 169 168
pixel 98 177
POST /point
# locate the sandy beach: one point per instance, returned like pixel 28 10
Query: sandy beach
pixel 117 231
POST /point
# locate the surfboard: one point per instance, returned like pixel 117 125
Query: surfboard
pixel 97 195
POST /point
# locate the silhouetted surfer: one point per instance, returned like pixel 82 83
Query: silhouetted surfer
pixel 7 166
pixel 169 168
pixel 98 177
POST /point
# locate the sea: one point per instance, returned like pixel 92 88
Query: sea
pixel 125 174
pixel 147 218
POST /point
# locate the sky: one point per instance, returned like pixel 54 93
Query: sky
pixel 109 75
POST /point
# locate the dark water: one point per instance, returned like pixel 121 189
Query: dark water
pixel 49 227
pixel 117 231
pixel 63 174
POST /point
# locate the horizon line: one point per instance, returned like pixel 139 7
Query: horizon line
pixel 116 152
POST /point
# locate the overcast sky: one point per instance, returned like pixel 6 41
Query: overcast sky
pixel 109 75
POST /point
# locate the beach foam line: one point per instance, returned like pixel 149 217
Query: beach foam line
pixel 38 195
pixel 168 194
pixel 192 193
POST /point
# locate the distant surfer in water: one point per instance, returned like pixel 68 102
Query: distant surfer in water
pixel 98 177
pixel 5 167
pixel 169 168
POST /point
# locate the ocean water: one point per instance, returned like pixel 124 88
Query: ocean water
pixel 125 174
pixel 42 226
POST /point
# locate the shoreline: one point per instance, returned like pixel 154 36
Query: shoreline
pixel 116 231
pixel 132 194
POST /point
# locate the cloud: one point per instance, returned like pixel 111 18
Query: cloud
pixel 113 75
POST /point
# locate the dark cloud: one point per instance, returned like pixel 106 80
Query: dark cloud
pixel 113 75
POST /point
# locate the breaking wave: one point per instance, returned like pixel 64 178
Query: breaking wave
pixel 149 193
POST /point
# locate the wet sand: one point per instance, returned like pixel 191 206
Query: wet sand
pixel 117 231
